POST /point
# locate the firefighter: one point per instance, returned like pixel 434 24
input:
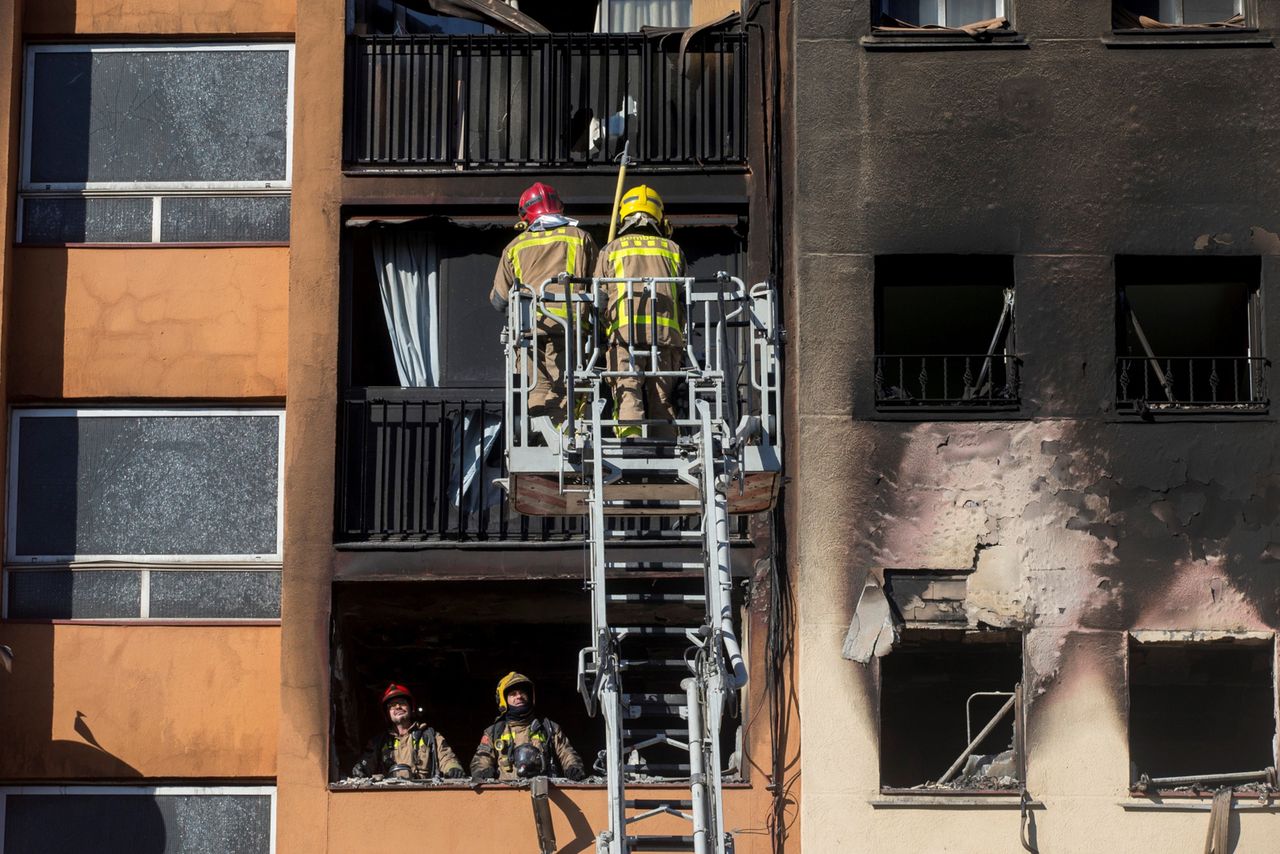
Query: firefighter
pixel 549 244
pixel 507 748
pixel 643 248
pixel 409 750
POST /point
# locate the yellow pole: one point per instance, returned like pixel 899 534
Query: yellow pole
pixel 617 194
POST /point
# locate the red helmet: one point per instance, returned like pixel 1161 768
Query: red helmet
pixel 392 691
pixel 538 200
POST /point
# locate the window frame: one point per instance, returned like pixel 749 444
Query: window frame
pixel 1001 12
pixel 11 510
pixel 76 188
pixel 1182 13
pixel 151 791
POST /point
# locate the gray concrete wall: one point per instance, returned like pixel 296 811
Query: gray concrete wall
pixel 1083 524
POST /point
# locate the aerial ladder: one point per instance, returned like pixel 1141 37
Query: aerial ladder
pixel 664 664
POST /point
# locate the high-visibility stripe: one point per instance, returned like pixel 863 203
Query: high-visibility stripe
pixel 617 259
pixel 571 261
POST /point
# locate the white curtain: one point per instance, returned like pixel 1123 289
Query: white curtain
pixel 408 281
pixel 472 446
pixel 628 16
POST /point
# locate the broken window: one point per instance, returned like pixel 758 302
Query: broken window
pixel 946 14
pixel 156 144
pixel 1197 709
pixel 1166 14
pixel 1190 334
pixel 950 711
pixel 450 642
pixel 945 332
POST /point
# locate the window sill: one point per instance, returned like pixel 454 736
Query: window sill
pixel 952 799
pixel 465 785
pixel 924 40
pixel 1187 802
pixel 1188 38
pixel 1012 412
pixel 1192 413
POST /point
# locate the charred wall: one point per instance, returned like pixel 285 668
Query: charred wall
pixel 1080 523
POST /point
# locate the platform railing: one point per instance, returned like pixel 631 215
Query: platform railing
pixel 1192 382
pixel 947 380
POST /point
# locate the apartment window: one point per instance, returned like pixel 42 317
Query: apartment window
pixel 630 16
pixel 1190 335
pixel 129 819
pixel 1161 14
pixel 156 144
pixel 945 333
pixel 939 13
pixel 1200 709
pixel 144 514
pixel 950 711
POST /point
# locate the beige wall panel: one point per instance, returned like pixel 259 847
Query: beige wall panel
pixel 103 702
pixel 187 323
pixel 705 11
pixel 181 17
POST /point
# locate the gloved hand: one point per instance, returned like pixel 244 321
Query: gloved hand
pixel 484 774
pixel 455 773
pixel 361 769
pixel 575 773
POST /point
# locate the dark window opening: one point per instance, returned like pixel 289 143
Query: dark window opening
pixel 1197 709
pixel 926 684
pixel 1177 14
pixel 1190 334
pixel 450 643
pixel 945 332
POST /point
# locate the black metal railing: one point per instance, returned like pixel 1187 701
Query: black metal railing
pixel 416 466
pixel 1192 382
pixel 953 381
pixel 512 100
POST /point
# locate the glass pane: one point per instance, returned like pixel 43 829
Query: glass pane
pixel 1205 11
pixel 65 594
pixel 79 220
pixel 628 16
pixel 225 219
pixel 130 823
pixel 922 12
pixel 961 12
pixel 216 594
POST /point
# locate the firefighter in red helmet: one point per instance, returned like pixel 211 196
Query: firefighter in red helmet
pixel 519 744
pixel 548 244
pixel 409 749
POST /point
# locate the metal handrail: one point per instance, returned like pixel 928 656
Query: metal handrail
pixel 980 380
pixel 1192 382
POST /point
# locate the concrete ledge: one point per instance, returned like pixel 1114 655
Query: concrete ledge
pixel 1187 38
pixel 966 801
pixel 912 42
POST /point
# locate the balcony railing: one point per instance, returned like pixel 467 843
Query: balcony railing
pixel 417 467
pixel 950 381
pixel 512 101
pixel 1192 383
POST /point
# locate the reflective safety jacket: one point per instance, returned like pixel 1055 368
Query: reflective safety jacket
pixel 500 739
pixel 635 256
pixel 535 256
pixel 420 754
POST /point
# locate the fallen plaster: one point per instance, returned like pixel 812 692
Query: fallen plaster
pixel 874 629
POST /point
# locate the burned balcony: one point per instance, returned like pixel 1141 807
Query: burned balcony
pixel 945 334
pixel 1190 336
pixel 513 101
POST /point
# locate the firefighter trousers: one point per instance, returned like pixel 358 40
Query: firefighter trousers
pixel 636 398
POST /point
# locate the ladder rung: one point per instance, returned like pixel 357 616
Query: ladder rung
pixel 641 734
pixel 647 663
pixel 659 843
pixel 657 768
pixel 624 534
pixel 632 711
pixel 656 803
pixel 678 631
pixel 656 565
pixel 690 598
pixel 640 699
pixel 651 503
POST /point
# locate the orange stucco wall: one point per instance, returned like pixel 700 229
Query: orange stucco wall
pixel 86 701
pixel 89 17
pixel 190 323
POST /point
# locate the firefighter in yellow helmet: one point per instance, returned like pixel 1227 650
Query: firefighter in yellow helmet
pixel 519 744
pixel 643 249
pixel 548 244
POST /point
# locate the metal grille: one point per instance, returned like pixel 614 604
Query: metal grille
pixel 953 381
pixel 1192 382
pixel 507 100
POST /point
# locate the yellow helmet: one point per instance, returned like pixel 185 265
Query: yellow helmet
pixel 640 199
pixel 509 681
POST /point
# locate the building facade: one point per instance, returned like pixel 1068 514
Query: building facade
pixel 1034 448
